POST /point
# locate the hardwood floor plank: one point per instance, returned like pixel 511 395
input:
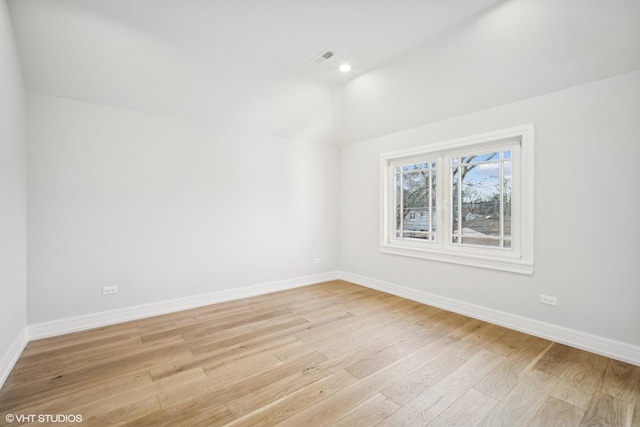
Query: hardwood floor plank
pixel 507 374
pixel 24 370
pixel 556 360
pixel 605 410
pixel 581 380
pixel 372 319
pixel 468 410
pixel 556 413
pixel 73 380
pixel 158 326
pixel 90 390
pixel 126 414
pixel 226 344
pixel 65 350
pixel 205 317
pixel 509 342
pixel 265 395
pixel 467 328
pixel 445 322
pixel 312 309
pixel 621 380
pixel 344 400
pixel 296 402
pixel 90 359
pixel 350 320
pixel 383 336
pixel 368 413
pixel 477 338
pixel 200 330
pixel 418 313
pixel 323 309
pixel 199 412
pixel 240 351
pixel 312 337
pixel 421 379
pixel 48 344
pixel 175 364
pixel 209 361
pixel 425 407
pixel 339 337
pixel 635 418
pixel 347 358
pixel 236 371
pixel 380 358
pixel 246 386
pixel 114 401
pixel 320 323
pixel 258 328
pixel 522 403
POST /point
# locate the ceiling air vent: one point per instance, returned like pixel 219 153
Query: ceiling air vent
pixel 323 56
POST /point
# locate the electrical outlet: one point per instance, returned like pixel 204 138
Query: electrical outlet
pixel 546 299
pixel 109 290
pixel 317 261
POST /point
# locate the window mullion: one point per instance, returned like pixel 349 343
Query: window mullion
pixel 502 199
pixel 401 211
pixel 459 203
pixel 430 196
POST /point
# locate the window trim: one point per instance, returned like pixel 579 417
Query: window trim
pixel 521 258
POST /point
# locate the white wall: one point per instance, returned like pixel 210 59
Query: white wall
pixel 586 210
pixel 13 195
pixel 166 208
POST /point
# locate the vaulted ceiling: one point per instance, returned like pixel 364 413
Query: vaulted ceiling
pixel 247 63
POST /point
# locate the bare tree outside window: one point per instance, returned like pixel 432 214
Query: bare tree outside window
pixel 481 194
pixel 415 200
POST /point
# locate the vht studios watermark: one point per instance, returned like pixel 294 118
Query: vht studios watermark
pixel 43 418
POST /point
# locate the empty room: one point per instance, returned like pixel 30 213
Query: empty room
pixel 320 213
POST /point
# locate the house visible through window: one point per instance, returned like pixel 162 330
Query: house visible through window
pixel 468 201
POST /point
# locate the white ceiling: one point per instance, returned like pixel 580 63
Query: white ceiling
pixel 519 49
pixel 285 34
pixel 240 63
pixel 246 64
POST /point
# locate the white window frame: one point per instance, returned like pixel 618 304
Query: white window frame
pixel 518 258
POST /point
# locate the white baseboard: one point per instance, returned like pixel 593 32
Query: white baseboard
pixel 592 343
pixel 10 358
pixel 595 344
pixel 105 318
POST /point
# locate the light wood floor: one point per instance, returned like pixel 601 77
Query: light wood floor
pixel 332 354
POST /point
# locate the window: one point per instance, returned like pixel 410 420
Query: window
pixel 414 198
pixel 467 201
pixel 481 199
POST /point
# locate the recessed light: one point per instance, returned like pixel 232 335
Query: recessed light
pixel 345 68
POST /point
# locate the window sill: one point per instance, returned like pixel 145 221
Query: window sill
pixel 510 265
